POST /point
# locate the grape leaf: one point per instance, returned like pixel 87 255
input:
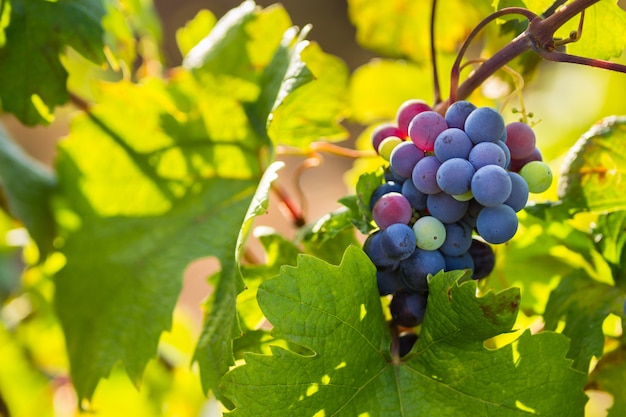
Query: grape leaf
pixel 335 312
pixel 194 31
pixel 609 376
pixel 611 240
pixel 32 78
pixel 329 236
pixel 400 28
pixel 593 176
pixel 138 202
pixel 28 188
pixel 584 304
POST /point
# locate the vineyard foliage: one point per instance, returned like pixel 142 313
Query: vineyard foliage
pixel 166 166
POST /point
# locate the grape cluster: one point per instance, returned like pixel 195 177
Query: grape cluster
pixel 453 186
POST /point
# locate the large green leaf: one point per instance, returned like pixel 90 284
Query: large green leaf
pixel 32 79
pixel 28 187
pixel 138 202
pixel 593 177
pixel 335 313
pixel 400 28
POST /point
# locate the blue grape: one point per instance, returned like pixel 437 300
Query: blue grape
pixel 473 208
pixel 414 270
pixel 384 188
pixel 452 143
pixel 491 185
pixel 424 129
pixel 398 241
pixel 444 207
pixel 454 176
pixel 408 309
pixel 519 192
pixel 404 157
pixel 388 281
pixel 457 113
pixel 392 208
pixel 463 261
pixel 424 175
pixel 484 125
pixel 497 224
pixel 487 153
pixel 458 239
pixel 507 153
pixel 415 196
pixel 483 257
pixel 372 248
pixel 406 341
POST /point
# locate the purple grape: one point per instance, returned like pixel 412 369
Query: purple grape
pixel 497 224
pixel 457 113
pixel 406 341
pixel 424 175
pixel 487 153
pixel 454 176
pixel 463 261
pixel 458 239
pixel 415 196
pixel 414 270
pixel 408 309
pixel 519 192
pixel 484 259
pixel 384 188
pixel 407 111
pixel 424 129
pixel 388 281
pixel 383 131
pixel 484 125
pixel 404 157
pixel 444 207
pixel 507 153
pixel 491 185
pixel 398 241
pixel 517 164
pixel 452 143
pixel 392 208
pixel 372 248
pixel 520 140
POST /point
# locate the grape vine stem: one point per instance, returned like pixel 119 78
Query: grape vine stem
pixel 538 37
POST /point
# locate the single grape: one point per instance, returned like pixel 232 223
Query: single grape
pixel 517 164
pixel 387 146
pixel 392 208
pixel 454 176
pixel 384 188
pixel 414 270
pixel 424 129
pixel 463 261
pixel 383 131
pixel 444 207
pixel 404 157
pixel 520 140
pixel 497 224
pixel 484 125
pixel 458 239
pixel 429 233
pixel 457 113
pixel 491 185
pixel 398 241
pixel 407 111
pixel 406 341
pixel 424 175
pixel 519 192
pixel 452 143
pixel 537 175
pixel 487 153
pixel 484 259
pixel 415 196
pixel 408 309
pixel 388 281
pixel 372 248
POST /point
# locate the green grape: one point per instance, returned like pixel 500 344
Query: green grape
pixel 430 233
pixel 387 145
pixel 537 175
